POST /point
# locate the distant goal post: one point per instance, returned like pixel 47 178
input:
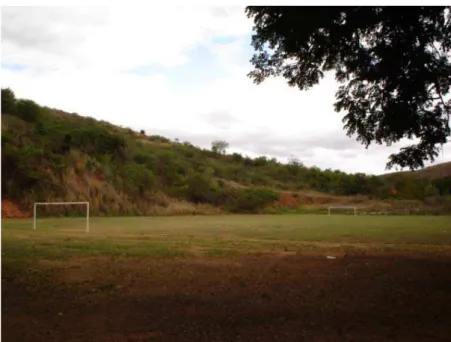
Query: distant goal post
pixel 36 204
pixel 351 209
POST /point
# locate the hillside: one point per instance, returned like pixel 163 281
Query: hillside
pixel 51 155
pixel 438 171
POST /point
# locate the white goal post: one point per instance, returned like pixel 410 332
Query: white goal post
pixel 61 203
pixel 342 207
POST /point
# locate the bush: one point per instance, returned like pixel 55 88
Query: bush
pixel 159 138
pixel 98 140
pixel 259 178
pixel 248 161
pixel 138 178
pixel 140 158
pixel 237 158
pixel 28 110
pixel 260 161
pixel 8 101
pixel 253 200
pixel 200 190
pixel 22 172
pixel 187 151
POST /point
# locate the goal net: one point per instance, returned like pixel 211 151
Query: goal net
pixel 36 204
pixel 342 210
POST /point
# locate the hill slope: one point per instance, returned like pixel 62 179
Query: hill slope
pixel 438 171
pixel 50 155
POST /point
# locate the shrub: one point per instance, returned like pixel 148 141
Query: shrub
pixel 159 138
pixel 237 158
pixel 248 161
pixel 28 110
pixel 253 200
pixel 138 178
pixel 258 178
pixel 260 161
pixel 187 151
pixel 8 101
pixel 200 190
pixel 98 140
pixel 140 158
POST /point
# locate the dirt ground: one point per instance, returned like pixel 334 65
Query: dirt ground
pixel 390 297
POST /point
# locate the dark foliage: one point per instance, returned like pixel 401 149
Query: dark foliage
pixel 252 200
pixel 393 64
pixel 28 110
pixel 8 101
pixel 43 155
pixel 200 190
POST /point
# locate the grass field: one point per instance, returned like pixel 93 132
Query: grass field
pixel 228 278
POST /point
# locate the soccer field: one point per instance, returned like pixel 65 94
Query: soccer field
pixel 227 278
pixel 241 234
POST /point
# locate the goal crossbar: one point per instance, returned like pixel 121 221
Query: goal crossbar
pixel 61 203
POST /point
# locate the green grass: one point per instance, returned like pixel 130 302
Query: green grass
pixel 217 236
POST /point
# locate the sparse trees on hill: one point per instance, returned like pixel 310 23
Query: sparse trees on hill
pixel 219 146
pixel 43 158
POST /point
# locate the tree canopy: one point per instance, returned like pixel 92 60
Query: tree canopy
pixel 219 146
pixel 392 63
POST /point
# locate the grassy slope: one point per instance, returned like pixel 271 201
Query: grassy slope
pixel 124 172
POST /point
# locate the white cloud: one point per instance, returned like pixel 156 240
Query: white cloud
pixel 77 57
pixel 113 39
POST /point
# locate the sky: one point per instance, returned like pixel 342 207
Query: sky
pixel 180 72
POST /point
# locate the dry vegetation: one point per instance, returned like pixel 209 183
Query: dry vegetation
pixel 50 155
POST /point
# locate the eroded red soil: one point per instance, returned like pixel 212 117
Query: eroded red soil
pixel 11 210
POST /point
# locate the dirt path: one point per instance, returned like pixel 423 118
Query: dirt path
pixel 242 299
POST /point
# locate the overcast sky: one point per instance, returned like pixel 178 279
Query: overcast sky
pixel 177 72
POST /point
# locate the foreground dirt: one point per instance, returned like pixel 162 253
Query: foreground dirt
pixel 259 298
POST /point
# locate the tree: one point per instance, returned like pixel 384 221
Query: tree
pixel 393 65
pixel 200 190
pixel 8 101
pixel 219 146
pixel 294 165
pixel 28 110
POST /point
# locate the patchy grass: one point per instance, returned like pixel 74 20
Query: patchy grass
pixel 227 278
pixel 242 234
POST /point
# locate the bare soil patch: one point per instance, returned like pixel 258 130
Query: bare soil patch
pixel 12 210
pixel 251 298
